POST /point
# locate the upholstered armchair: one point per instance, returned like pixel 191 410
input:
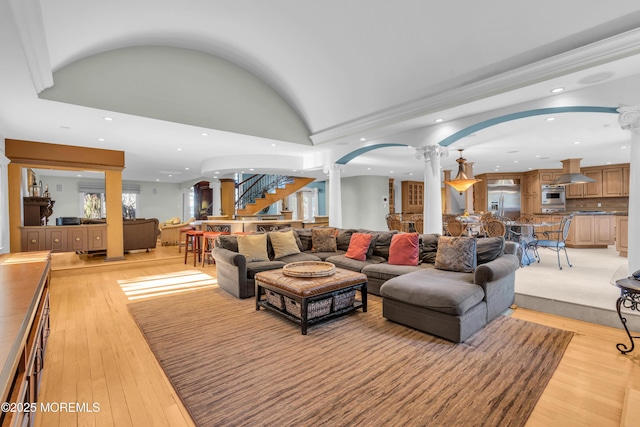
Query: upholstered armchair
pixel 170 230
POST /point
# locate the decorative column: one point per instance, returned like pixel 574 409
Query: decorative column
pixel 228 197
pixel 468 195
pixel 446 192
pixel 216 204
pixel 629 119
pixel 432 210
pixel 335 194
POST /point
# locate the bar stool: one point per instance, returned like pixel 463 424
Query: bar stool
pixel 193 237
pixel 183 230
pixel 208 242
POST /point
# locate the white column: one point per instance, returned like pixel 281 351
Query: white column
pixel 216 201
pixel 432 211
pixel 629 119
pixel 335 195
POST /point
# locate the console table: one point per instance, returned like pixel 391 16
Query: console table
pixel 629 298
pixel 24 286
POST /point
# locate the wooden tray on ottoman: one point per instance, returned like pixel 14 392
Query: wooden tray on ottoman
pixel 309 269
pixel 311 299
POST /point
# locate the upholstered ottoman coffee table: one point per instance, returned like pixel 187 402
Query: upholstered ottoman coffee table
pixel 307 300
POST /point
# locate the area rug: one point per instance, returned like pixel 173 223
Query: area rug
pixel 235 366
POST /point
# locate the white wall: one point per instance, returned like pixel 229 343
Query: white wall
pixel 362 204
pixel 163 203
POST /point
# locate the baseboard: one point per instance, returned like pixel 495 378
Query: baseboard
pixel 585 313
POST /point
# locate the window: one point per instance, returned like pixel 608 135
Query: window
pixel 94 205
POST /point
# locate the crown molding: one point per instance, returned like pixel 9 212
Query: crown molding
pixel 27 16
pixel 607 50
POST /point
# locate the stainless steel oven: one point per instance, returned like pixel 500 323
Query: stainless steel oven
pixel 553 198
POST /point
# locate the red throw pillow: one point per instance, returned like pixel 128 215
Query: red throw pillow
pixel 358 246
pixel 404 249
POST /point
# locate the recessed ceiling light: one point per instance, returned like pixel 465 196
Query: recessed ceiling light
pixel 497 166
pixel 204 134
pixel 101 139
pixel 186 169
pixel 294 170
pixel 179 149
pixel 170 175
pixel 439 120
pixel 157 179
pixel 390 171
pixel 608 163
pixel 368 169
pixel 557 90
pixel 65 127
pixel 538 155
pixel 623 147
pixel 273 145
pixel 216 172
pixel 79 175
pixel 515 161
pixel 109 119
pixel 363 139
pixel 576 142
pixel 251 169
pixel 550 119
pixel 411 173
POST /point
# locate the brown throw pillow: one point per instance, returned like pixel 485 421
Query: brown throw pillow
pixel 323 240
pixel 456 254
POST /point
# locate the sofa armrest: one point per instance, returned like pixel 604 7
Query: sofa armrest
pixel 229 257
pixel 231 272
pixel 496 269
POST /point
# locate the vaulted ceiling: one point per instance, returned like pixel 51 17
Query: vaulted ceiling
pixel 210 87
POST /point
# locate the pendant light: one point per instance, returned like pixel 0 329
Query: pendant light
pixel 461 182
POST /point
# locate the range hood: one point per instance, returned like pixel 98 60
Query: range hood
pixel 571 174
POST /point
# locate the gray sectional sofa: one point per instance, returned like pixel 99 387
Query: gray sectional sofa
pixel 450 304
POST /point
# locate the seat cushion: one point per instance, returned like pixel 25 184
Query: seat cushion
pixel 384 271
pixel 353 264
pixel 258 266
pixel 451 293
pixel 302 256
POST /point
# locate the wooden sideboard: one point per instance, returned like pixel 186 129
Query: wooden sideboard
pixel 64 238
pixel 24 287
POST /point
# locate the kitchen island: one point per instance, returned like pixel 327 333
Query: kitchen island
pixel 589 229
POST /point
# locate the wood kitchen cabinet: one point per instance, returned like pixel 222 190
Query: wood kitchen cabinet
pixel 611 181
pixel 412 197
pixel 591 231
pixel 622 235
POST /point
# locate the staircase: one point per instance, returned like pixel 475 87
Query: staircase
pixel 269 195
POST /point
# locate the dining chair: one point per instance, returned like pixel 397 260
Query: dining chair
pixel 554 240
pixel 455 227
pixel 495 228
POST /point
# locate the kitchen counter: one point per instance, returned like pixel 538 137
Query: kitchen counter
pixel 616 213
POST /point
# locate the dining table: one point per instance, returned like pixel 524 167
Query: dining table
pixel 524 234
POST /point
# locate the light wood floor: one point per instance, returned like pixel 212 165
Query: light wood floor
pixel 97 354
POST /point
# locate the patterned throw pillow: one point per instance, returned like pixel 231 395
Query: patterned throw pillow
pixel 283 243
pixel 253 247
pixel 323 239
pixel 404 249
pixel 358 246
pixel 456 254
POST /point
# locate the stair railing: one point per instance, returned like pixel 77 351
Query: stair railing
pixel 256 186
